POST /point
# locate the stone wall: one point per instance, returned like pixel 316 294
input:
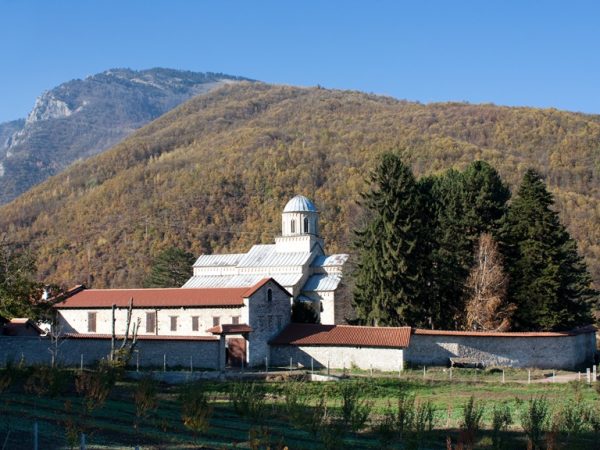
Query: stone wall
pixel 338 357
pixel 36 350
pixel 545 352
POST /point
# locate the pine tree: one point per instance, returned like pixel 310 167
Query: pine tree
pixel 389 281
pixel 549 281
pixel 171 268
pixel 461 206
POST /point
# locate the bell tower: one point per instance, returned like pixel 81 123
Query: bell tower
pixel 299 226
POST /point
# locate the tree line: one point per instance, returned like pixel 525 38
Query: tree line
pixel 451 251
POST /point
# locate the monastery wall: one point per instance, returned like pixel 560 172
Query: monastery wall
pixel 36 350
pixel 567 352
pixel 338 357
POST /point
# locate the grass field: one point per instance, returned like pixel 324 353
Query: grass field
pixel 279 412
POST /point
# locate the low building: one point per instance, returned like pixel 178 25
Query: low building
pixel 252 316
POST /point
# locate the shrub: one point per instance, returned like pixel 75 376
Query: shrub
pixel 355 408
pixel 94 387
pixel 501 420
pixel 145 398
pixel 406 412
pixel 573 417
pixel 472 414
pixel 248 400
pixel 534 420
pixel 196 409
pixel 386 427
pixel 45 380
pixel 295 401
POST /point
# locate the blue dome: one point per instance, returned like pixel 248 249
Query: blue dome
pixel 300 204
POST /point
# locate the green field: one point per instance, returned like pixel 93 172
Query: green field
pixel 282 411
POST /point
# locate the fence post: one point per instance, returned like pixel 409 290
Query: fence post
pixel 290 363
pixel 587 375
pixel 81 363
pixel 137 360
pixel 327 367
pixel 191 364
pixel 503 379
pixel 578 376
pixel 35 436
pixel 450 372
pixel 266 364
pixel 554 376
pixel 371 368
pixel 312 365
pixel 424 371
pixel 528 376
pixel 594 375
pixel 82 442
pixel 164 362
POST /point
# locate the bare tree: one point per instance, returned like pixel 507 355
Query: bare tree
pixel 123 353
pixel 487 307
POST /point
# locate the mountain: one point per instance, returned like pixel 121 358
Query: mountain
pixel 214 174
pixel 81 118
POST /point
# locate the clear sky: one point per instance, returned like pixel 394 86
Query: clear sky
pixel 534 53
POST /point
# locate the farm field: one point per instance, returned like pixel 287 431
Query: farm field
pixel 359 412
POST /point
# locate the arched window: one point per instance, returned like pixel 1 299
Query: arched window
pixel 306 224
pixel 293 226
pixel 269 295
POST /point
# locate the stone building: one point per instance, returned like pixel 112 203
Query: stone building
pixel 244 319
pixel 297 260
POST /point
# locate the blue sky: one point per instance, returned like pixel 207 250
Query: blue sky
pixel 534 53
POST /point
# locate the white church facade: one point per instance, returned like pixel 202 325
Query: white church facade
pixel 297 261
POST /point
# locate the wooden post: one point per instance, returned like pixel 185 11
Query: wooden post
pixel 503 379
pixel 553 376
pixel 290 363
pixel 191 364
pixel 528 376
pixel 112 334
pixel 81 363
pixel 312 365
pixel 424 371
pixel 594 375
pixel 266 364
pixel 82 442
pixel 137 361
pixel 587 375
pixel 35 436
pixel 164 362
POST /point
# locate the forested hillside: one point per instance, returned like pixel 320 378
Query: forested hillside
pixel 214 174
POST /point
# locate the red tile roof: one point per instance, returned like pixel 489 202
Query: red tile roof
pixel 343 335
pixel 143 337
pixel 160 297
pixel 230 328
pixel 583 330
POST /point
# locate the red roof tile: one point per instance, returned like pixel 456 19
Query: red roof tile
pixel 583 330
pixel 160 297
pixel 230 328
pixel 343 335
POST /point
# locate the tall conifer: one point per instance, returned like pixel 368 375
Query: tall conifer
pixel 389 281
pixel 549 281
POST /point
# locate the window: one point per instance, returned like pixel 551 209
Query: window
pixel 91 322
pixel 293 226
pixel 173 323
pixel 151 322
pixel 269 295
pixel 235 320
pixel 195 325
pixel 216 321
pixel 306 224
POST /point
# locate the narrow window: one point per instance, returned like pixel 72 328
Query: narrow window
pixel 269 295
pixel 235 320
pixel 173 323
pixel 195 326
pixel 293 226
pixel 306 224
pixel 91 322
pixel 150 322
pixel 216 321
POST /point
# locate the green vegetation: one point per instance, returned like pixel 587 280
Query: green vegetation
pixel 171 268
pixel 415 253
pixel 355 413
pixel 214 174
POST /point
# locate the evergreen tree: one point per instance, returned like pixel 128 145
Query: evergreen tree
pixel 171 268
pixel 389 281
pixel 549 282
pixel 461 206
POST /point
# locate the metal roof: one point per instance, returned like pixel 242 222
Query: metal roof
pixel 224 260
pixel 331 260
pixel 322 283
pixel 299 204
pixel 245 280
pixel 267 256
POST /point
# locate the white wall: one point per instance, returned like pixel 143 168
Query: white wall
pixel 338 357
pixel 76 320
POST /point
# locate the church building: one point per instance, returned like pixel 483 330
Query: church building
pixel 297 261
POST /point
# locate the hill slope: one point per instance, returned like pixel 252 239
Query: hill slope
pixel 83 117
pixel 214 174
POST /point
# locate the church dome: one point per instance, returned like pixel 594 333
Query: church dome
pixel 300 204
